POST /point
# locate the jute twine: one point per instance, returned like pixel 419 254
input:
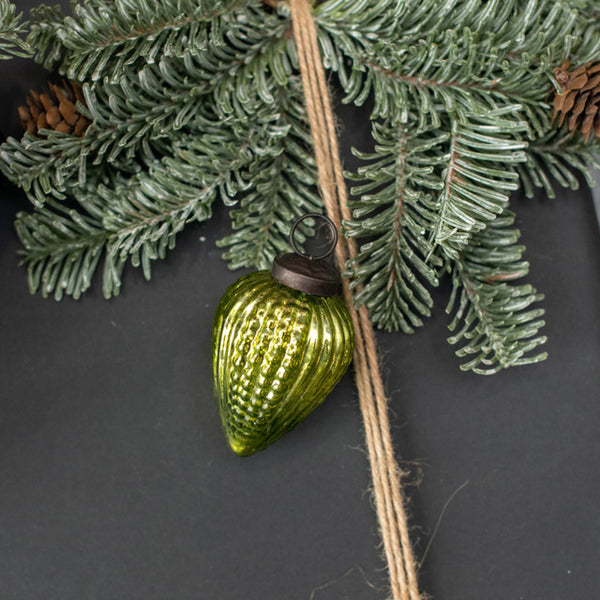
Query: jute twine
pixel 388 497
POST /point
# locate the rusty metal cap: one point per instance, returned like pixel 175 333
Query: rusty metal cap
pixel 306 275
pixel 305 272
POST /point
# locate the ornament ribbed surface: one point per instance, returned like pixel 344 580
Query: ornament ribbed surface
pixel 277 353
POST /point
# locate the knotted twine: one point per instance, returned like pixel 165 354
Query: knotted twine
pixel 388 497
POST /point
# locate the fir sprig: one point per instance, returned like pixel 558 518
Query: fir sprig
pixel 138 218
pixel 102 37
pixel 12 29
pixel 394 209
pixel 478 175
pixel 557 157
pixel 282 188
pixel 495 324
pixel 148 103
pixel 62 247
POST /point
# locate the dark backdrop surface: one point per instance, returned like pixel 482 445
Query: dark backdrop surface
pixel 115 480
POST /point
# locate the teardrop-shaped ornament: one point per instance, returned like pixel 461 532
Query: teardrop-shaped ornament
pixel 281 342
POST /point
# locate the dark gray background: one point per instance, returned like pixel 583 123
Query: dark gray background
pixel 115 480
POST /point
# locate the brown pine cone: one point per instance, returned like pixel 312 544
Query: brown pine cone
pixel 54 109
pixel 577 107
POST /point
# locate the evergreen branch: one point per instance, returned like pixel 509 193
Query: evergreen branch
pixel 43 167
pixel 558 157
pixel 457 74
pixel 103 37
pixel 395 206
pixel 134 118
pixel 55 165
pixel 145 215
pixel 136 219
pixel 44 36
pixel 500 54
pixel 493 319
pixel 519 28
pixel 284 185
pixel 12 28
pixel 165 97
pixel 478 177
pixel 62 248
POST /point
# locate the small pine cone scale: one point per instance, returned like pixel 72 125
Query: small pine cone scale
pixel 577 105
pixel 55 109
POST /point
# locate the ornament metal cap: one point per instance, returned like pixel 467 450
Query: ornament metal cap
pixel 307 273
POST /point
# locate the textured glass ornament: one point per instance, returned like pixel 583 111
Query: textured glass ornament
pixel 278 351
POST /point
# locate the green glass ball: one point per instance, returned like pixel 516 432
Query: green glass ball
pixel 277 353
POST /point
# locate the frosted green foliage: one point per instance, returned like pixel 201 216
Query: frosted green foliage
pixel 146 100
pixel 494 322
pixel 557 157
pixel 197 101
pixel 282 187
pixel 102 37
pixel 138 217
pixel 478 176
pixel 12 28
pixel 395 208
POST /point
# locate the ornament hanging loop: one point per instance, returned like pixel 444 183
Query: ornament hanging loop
pixel 306 272
pixel 332 242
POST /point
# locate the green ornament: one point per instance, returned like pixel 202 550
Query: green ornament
pixel 281 342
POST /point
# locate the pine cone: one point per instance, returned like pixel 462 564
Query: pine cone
pixel 55 109
pixel 578 106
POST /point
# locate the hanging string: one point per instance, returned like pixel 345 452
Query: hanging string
pixel 389 501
